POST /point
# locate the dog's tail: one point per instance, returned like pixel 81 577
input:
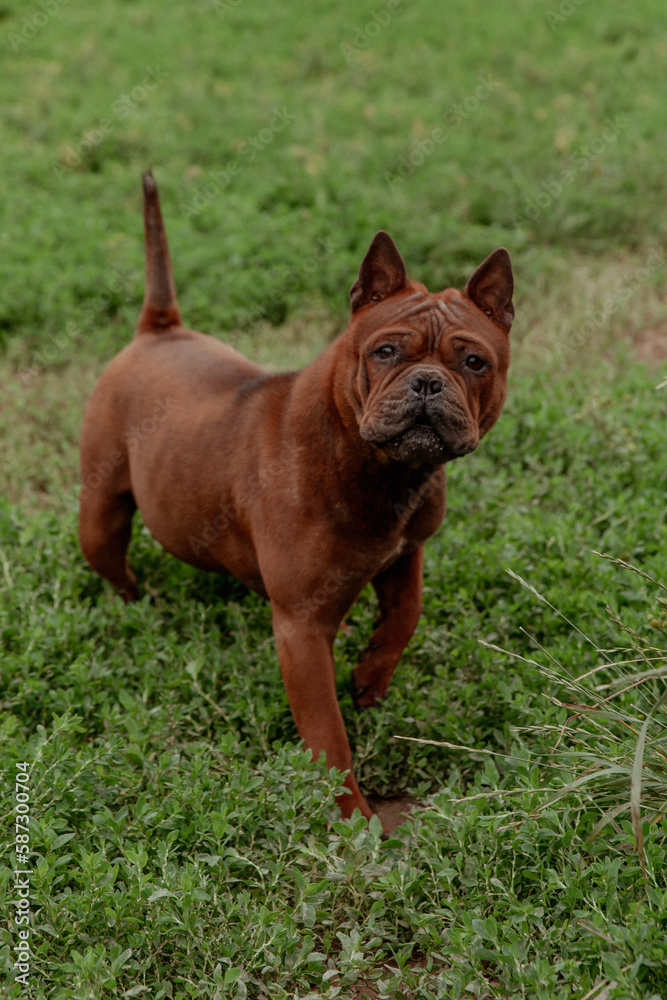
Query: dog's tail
pixel 160 309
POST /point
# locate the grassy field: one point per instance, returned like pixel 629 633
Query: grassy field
pixel 184 845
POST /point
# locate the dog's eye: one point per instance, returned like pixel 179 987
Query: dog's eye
pixel 385 352
pixel 475 362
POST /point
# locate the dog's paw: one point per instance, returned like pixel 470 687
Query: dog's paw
pixel 362 697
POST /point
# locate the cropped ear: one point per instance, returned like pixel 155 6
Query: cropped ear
pixel 491 287
pixel 382 272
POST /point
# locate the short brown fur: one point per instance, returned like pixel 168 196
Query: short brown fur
pixel 305 486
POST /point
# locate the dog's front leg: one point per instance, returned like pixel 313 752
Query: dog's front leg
pixel 307 667
pixel 399 591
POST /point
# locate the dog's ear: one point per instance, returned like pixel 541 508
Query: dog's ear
pixel 382 272
pixel 491 287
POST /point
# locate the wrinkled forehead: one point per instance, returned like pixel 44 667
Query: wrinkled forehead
pixel 433 318
pixel 432 315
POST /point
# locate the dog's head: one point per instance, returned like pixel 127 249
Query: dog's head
pixel 431 369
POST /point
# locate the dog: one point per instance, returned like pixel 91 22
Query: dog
pixel 305 486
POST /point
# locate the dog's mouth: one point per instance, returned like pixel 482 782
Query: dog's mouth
pixel 423 441
pixel 421 428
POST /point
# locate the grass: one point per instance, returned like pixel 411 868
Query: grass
pixel 184 844
pixel 318 186
pixel 182 836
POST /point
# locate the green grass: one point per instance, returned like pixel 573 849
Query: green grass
pixel 185 846
pixel 175 818
pixel 216 82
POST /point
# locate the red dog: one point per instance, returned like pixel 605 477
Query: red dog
pixel 305 486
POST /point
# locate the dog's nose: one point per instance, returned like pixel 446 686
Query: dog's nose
pixel 426 384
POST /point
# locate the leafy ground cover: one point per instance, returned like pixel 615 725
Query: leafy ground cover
pixel 280 136
pixel 184 844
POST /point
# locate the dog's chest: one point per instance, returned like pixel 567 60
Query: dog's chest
pixel 404 546
pixel 418 526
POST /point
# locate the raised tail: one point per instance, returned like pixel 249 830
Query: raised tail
pixel 160 309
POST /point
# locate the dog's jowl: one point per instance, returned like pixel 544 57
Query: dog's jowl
pixel 305 486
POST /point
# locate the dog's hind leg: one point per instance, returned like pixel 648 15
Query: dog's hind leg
pixel 105 527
